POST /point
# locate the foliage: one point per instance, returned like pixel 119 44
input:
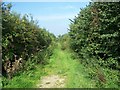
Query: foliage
pixel 96 32
pixel 22 37
pixel 26 79
pixel 95 35
pixel 64 41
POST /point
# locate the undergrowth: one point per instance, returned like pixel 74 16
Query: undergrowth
pixel 25 79
pixel 103 76
pixel 31 72
pixel 66 63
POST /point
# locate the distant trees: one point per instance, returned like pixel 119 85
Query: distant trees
pixel 64 40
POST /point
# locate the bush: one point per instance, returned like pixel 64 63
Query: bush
pixel 95 35
pixel 95 32
pixel 22 38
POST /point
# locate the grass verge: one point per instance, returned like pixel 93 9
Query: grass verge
pixel 24 80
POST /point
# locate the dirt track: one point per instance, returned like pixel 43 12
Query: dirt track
pixel 53 81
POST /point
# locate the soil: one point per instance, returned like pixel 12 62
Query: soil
pixel 52 81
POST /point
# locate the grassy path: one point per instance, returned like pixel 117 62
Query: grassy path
pixel 63 71
pixel 62 64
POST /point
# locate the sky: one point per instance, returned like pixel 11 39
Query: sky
pixel 54 16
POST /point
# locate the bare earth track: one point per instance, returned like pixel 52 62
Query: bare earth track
pixel 52 81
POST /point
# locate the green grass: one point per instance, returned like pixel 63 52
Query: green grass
pixel 0 82
pixel 65 64
pixel 25 80
pixel 62 63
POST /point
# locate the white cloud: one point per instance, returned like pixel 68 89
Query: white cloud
pixel 61 8
pixel 67 7
pixel 55 17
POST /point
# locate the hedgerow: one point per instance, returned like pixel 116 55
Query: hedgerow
pixel 95 35
pixel 22 39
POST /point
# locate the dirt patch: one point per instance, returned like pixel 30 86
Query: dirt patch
pixel 53 81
